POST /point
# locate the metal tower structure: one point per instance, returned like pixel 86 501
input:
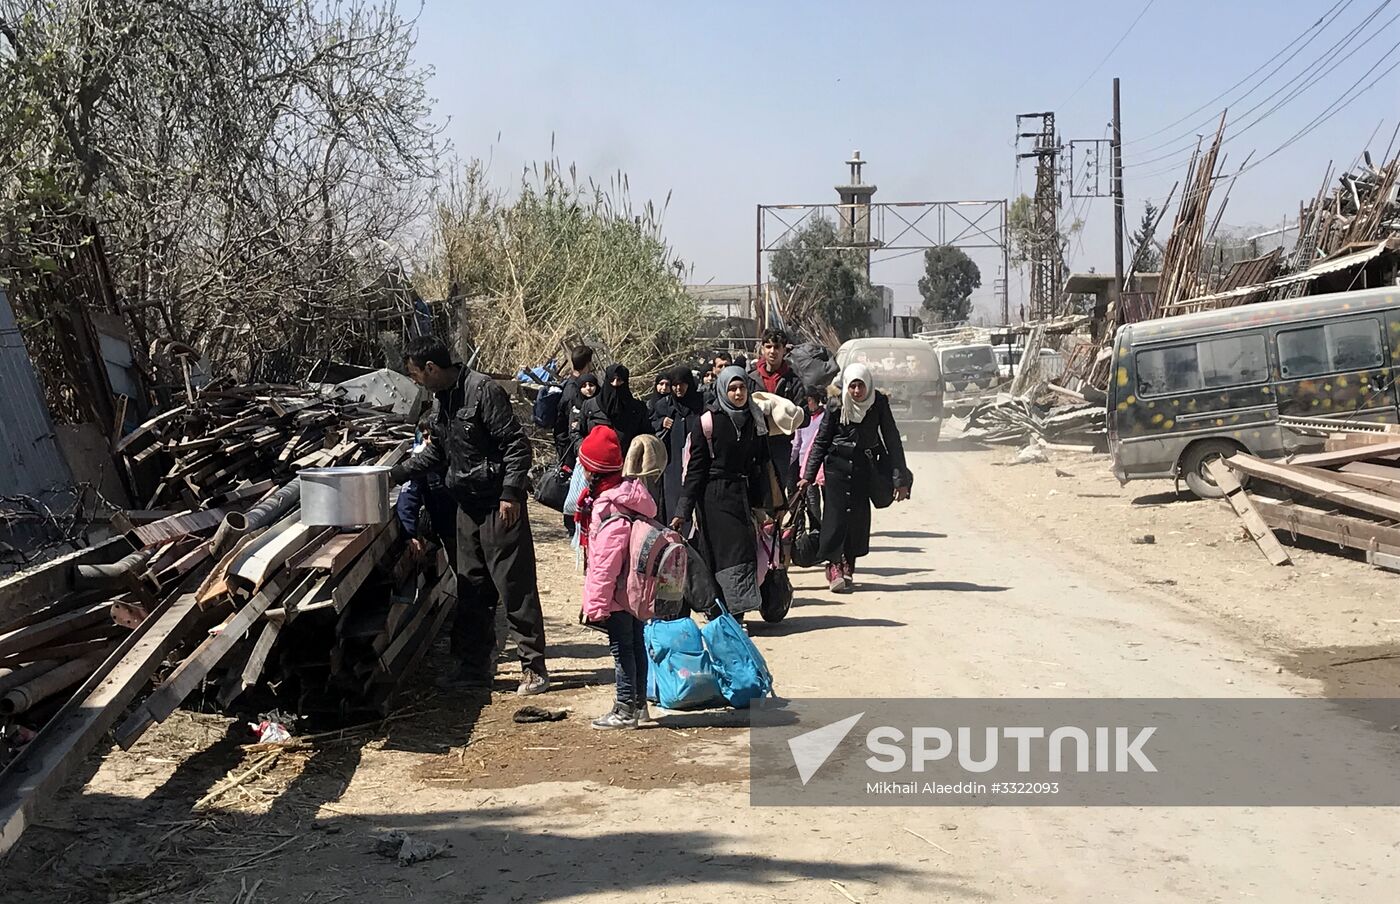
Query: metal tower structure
pixel 1047 253
pixel 868 226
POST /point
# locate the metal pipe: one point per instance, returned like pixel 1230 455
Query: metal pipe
pixel 12 678
pixel 124 572
pixel 273 507
pixel 232 529
pixel 46 685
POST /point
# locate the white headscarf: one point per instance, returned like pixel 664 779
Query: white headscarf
pixel 853 412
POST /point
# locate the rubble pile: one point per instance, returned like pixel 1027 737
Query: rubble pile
pixel 1015 421
pixel 225 591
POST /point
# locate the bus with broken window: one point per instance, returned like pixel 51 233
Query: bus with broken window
pixel 1184 390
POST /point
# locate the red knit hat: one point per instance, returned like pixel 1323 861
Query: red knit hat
pixel 600 452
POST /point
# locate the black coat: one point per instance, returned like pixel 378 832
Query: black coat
pixel 478 444
pixel 569 401
pixel 728 456
pixel 850 441
pixel 635 420
pixel 685 416
pixel 723 487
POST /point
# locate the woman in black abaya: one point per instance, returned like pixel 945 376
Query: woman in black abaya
pixel 615 407
pixel 725 480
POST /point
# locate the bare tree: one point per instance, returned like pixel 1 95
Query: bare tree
pixel 246 162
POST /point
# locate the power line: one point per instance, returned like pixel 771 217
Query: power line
pixel 1308 74
pixel 1212 101
pixel 1111 50
pixel 1328 112
pixel 1179 158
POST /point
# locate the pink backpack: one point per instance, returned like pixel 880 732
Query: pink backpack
pixel 656 564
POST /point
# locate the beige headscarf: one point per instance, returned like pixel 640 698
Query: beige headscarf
pixel 646 458
pixel 853 412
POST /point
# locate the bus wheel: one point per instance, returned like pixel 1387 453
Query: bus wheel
pixel 1194 461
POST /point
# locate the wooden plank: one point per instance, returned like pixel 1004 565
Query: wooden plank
pixel 1324 488
pixel 1382 485
pixel 313 547
pixel 1239 501
pixel 347 586
pixel 41 767
pixel 1344 530
pixel 1340 442
pixel 147 427
pixel 257 661
pixel 349 546
pixel 1373 469
pixel 187 676
pixel 1345 456
pixel 31 636
pixel 24 591
pixel 286 543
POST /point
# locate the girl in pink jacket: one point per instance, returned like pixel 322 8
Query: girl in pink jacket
pixel 612 503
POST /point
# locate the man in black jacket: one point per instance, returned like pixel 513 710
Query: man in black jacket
pixel 581 359
pixel 487 459
pixel 772 374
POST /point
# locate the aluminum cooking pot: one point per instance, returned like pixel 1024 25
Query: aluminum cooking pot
pixel 344 497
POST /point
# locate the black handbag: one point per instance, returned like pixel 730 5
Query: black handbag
pixel 775 596
pixel 553 489
pixel 806 538
pixel 881 478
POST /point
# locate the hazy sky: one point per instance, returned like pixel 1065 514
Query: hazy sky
pixel 727 105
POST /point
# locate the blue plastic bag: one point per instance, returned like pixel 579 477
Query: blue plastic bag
pixel 682 675
pixel 743 674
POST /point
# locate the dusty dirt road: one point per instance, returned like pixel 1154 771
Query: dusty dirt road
pixel 995 581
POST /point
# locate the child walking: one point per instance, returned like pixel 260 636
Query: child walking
pixel 611 503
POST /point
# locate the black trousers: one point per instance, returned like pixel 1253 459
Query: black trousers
pixel 495 563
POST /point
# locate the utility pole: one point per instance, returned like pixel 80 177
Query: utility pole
pixel 1047 257
pixel 1117 192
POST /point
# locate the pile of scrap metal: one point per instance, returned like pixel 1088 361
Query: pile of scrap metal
pixel 1347 495
pixel 232 592
pixel 1347 238
pixel 1016 421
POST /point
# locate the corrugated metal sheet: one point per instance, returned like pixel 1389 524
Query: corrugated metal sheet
pixel 1251 272
pixel 30 462
pixel 1343 262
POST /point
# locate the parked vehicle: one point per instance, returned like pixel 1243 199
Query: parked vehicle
pixel 907 371
pixel 970 376
pixel 1052 363
pixel 1189 389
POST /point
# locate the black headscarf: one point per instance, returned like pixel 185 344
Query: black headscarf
pixel 691 402
pixel 586 379
pixel 614 400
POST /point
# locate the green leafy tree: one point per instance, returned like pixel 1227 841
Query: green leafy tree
pixel 947 284
pixel 827 280
pixel 1025 236
pixel 1146 257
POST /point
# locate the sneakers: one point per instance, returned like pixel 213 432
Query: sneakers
pixel 838 577
pixel 532 683
pixel 835 577
pixel 849 570
pixel 642 715
pixel 620 716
